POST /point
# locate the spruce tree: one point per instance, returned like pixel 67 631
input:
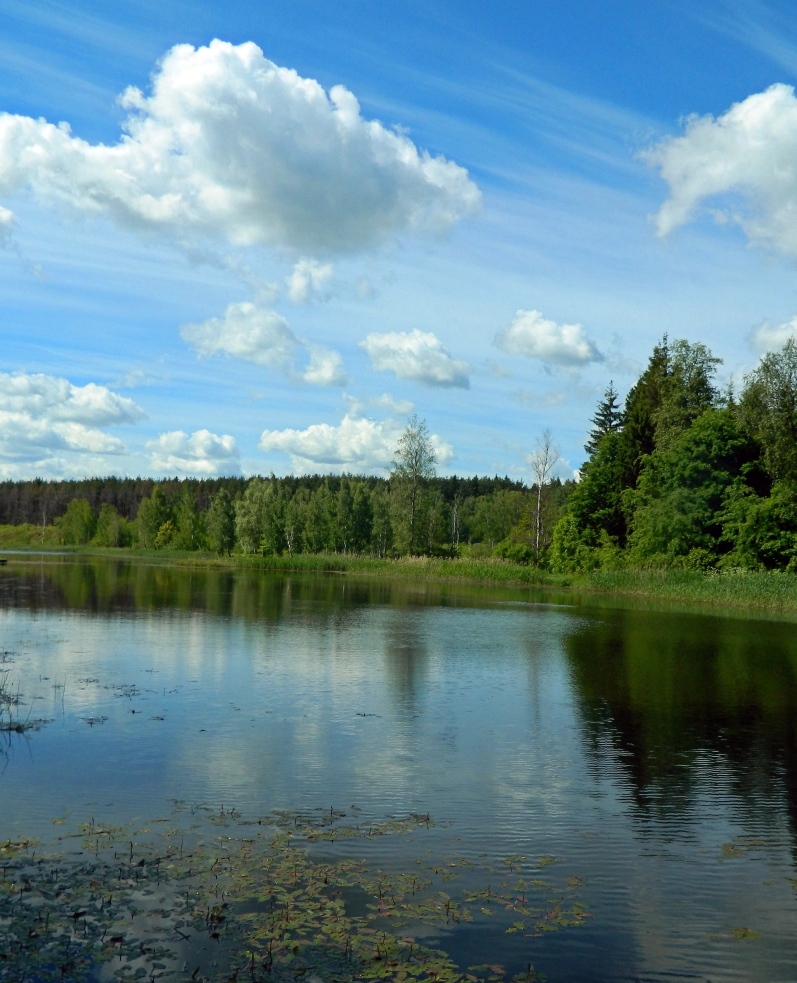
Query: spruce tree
pixel 608 419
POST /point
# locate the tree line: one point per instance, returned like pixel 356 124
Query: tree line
pixel 682 474
pixel 687 475
pixel 412 511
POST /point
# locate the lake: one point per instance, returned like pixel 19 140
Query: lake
pixel 581 788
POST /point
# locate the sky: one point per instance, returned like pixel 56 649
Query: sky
pixel 255 238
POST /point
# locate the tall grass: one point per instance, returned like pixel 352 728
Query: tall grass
pixel 410 568
pixel 28 536
pixel 769 590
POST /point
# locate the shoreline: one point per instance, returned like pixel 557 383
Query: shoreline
pixel 767 591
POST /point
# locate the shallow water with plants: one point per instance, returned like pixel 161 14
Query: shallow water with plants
pixel 229 775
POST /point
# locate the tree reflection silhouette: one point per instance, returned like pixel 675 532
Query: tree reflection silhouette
pixel 664 696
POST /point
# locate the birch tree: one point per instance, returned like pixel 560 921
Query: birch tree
pixel 543 460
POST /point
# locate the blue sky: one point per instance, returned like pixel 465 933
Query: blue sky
pixel 265 234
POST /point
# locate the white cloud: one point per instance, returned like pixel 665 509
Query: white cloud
pixel 357 444
pixel 43 416
pixel 202 453
pixel 770 337
pixel 247 331
pixel 309 279
pixel 748 153
pixel 232 145
pixel 403 407
pixel 535 336
pixel 416 355
pixel 258 334
pixel 7 224
pixel 325 368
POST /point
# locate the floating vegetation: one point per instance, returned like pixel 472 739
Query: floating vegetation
pixel 741 846
pixel 205 895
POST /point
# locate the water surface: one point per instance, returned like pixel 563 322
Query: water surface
pixel 652 753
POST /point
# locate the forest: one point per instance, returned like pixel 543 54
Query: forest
pixel 681 475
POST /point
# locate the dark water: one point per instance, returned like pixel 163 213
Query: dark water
pixel 653 753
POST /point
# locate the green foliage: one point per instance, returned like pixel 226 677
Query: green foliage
pixel 166 536
pixel 320 520
pixel 362 519
pixel 608 419
pixel 410 473
pixel 153 512
pixel 220 523
pixel 28 535
pixel 495 515
pixel 761 531
pixel 515 552
pixel 768 408
pixel 260 517
pixel 687 480
pixel 189 531
pixel 594 522
pixel 76 526
pixel 381 526
pixel 112 530
pixel 678 503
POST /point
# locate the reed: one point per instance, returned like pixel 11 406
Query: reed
pixel 765 590
pixel 487 571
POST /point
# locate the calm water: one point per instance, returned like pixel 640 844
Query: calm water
pixel 653 753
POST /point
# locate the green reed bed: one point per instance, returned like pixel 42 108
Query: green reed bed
pixel 765 590
pixel 413 568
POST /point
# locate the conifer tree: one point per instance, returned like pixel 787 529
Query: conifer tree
pixel 608 419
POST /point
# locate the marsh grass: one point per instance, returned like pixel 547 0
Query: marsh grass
pixel 487 571
pixel 11 721
pixel 762 590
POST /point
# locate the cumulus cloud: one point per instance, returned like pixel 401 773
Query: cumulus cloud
pixel 247 331
pixel 229 144
pixel 43 417
pixel 358 444
pixel 535 336
pixel 202 453
pixel 309 279
pixel 770 337
pixel 416 355
pixel 749 153
pixel 258 334
pixel 325 368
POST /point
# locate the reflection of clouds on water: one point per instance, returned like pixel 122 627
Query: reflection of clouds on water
pixel 634 747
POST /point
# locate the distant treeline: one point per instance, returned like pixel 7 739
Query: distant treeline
pixel 413 511
pixel 39 502
pixel 682 475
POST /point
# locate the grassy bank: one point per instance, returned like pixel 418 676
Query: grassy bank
pixel 761 590
pixel 755 590
pixel 28 536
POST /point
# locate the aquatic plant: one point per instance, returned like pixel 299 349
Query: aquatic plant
pixel 205 895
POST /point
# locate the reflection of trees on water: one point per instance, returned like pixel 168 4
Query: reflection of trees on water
pixel 406 658
pixel 663 696
pixel 108 585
